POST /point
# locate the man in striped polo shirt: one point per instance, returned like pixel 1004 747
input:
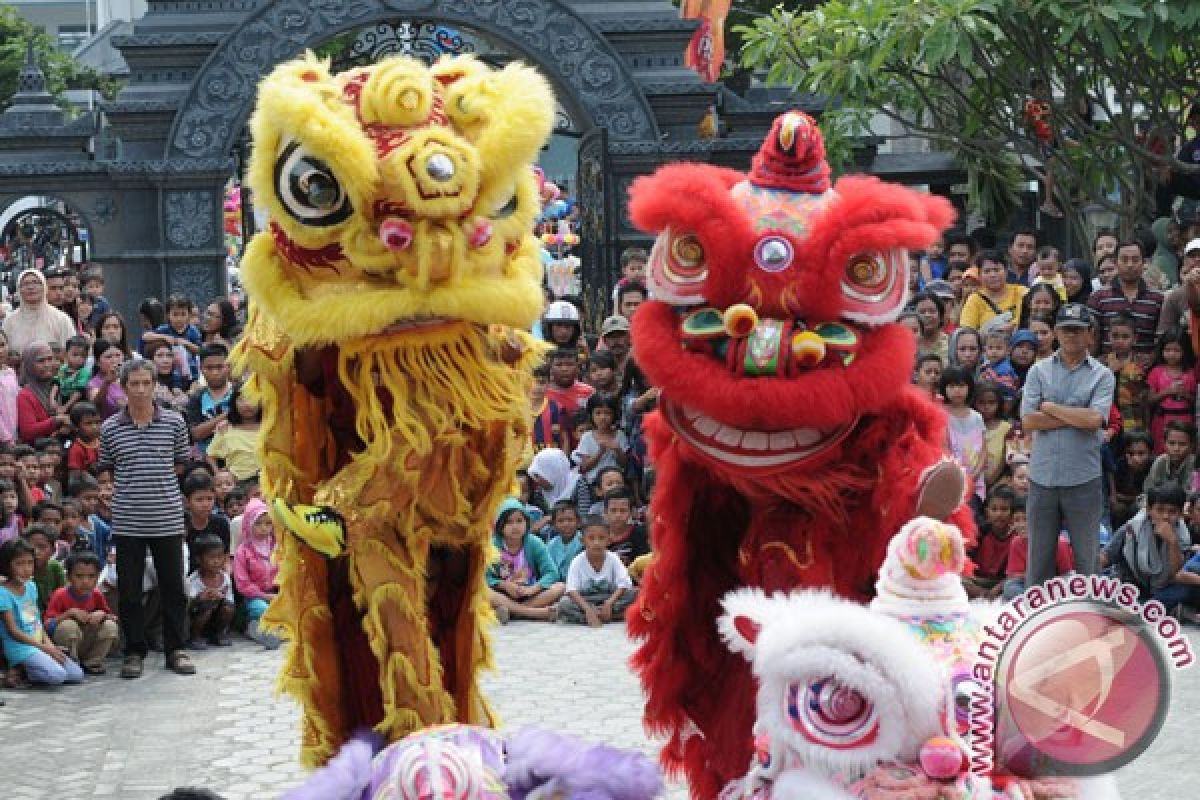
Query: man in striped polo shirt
pixel 146 446
pixel 1128 294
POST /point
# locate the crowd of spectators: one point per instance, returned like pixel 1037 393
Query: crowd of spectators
pixel 98 478
pixel 1071 395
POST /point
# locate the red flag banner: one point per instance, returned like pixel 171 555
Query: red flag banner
pixel 706 51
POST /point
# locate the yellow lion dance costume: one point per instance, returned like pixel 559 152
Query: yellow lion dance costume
pixel 386 339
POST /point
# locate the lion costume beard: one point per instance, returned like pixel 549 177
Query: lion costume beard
pixel 442 419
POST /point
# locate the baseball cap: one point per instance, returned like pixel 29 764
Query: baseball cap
pixel 1073 315
pixel 1194 244
pixel 614 324
pixel 1023 336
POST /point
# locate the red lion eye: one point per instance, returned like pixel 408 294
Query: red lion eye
pixel 678 268
pixel 875 286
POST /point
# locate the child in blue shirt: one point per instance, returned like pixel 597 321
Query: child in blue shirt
pixel 178 331
pixel 564 541
pixel 26 647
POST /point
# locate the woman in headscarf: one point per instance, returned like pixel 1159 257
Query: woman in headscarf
pixel 35 320
pixel 37 414
pixel 1077 279
pixel 551 471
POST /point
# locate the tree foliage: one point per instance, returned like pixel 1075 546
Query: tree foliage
pixel 958 72
pixel 61 70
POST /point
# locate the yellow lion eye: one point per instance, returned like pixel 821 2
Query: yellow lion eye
pixel 308 189
pixel 866 271
pixel 688 252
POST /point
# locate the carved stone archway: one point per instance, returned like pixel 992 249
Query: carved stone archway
pixel 549 33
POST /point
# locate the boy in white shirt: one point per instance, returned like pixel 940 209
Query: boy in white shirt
pixel 598 586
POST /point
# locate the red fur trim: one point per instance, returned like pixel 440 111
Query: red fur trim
pixel 824 397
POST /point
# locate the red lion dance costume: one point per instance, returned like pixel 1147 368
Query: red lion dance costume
pixel 789 444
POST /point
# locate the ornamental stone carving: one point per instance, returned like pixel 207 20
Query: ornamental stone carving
pixel 190 218
pixel 197 282
pixel 547 33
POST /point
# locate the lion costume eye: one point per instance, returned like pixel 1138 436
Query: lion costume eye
pixel 831 715
pixel 875 286
pixel 308 189
pixel 678 268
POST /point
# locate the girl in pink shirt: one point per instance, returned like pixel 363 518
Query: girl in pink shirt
pixel 253 571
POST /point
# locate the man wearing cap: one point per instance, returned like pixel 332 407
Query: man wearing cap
pixel 1129 294
pixel 614 332
pixel 1179 302
pixel 1066 403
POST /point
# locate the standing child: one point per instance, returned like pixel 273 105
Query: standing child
pixel 1132 391
pixel 565 542
pixel 522 582
pixel 9 389
pixel 549 427
pixel 605 444
pixel 988 402
pixel 78 619
pixel 210 595
pixel 235 442
pixel 965 429
pixel 26 648
pixel 599 588
pixel 1176 466
pixel 86 490
pixel 254 573
pixel 928 374
pixel 1172 385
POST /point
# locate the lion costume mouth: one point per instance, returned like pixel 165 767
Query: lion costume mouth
pixel 755 450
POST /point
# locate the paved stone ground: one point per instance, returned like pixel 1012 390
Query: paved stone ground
pixel 224 729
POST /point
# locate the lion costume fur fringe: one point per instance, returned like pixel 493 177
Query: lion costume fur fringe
pixel 439 403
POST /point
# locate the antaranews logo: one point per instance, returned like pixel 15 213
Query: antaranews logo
pixel 1074 679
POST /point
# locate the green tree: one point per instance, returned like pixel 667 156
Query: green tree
pixel 62 71
pixel 958 72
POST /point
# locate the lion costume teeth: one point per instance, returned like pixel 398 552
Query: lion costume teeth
pixel 397 274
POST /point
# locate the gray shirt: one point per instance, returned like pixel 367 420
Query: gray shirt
pixel 1140 557
pixel 1067 456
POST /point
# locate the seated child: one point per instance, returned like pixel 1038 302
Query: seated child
pixel 1018 553
pixel 10 521
pixel 234 505
pixel 1149 550
pixel 199 519
pixel 1177 464
pixel 990 554
pixel 78 619
pixel 607 479
pixel 31 657
pixel 599 589
pixel 1129 477
pixel 85 447
pixel 253 572
pixel 48 572
pixel 71 533
pixel 565 542
pixel 625 537
pixel 523 582
pixel 210 595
